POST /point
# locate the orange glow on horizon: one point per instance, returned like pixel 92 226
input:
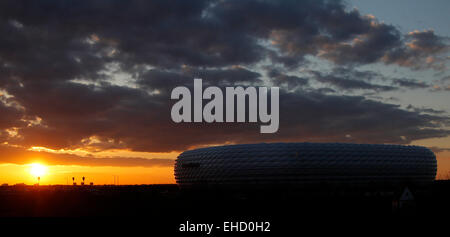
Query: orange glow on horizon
pixel 100 175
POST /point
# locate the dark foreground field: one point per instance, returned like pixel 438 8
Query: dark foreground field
pixel 165 207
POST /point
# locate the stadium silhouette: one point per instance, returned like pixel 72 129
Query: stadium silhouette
pixel 257 182
pixel 304 164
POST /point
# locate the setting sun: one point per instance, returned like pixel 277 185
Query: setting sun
pixel 38 169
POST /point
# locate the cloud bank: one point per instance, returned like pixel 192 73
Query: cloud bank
pixel 60 67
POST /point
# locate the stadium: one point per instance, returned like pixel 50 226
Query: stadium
pixel 300 164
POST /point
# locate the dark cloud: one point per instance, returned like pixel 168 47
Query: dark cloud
pixel 442 84
pixel 71 112
pixel 224 77
pixel 140 121
pixel 282 80
pixel 425 110
pixel 357 74
pixel 45 52
pixel 332 117
pixel 57 60
pixel 410 83
pixel 350 80
pixel 426 41
pixel 350 84
pixel 79 37
pixel 10 116
pixel 164 81
pixel 369 47
pixel 419 51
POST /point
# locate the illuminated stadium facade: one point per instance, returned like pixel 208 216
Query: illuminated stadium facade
pixel 304 163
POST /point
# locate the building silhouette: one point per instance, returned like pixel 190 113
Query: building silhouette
pixel 293 164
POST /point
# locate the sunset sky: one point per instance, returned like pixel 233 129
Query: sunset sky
pixel 85 85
